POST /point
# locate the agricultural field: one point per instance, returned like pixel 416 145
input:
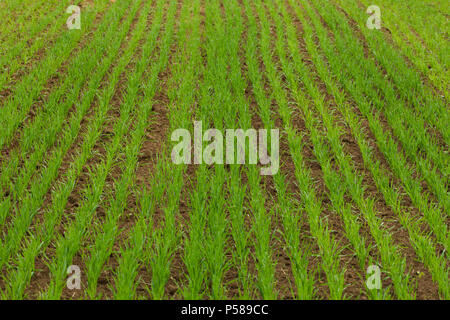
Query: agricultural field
pixel 99 198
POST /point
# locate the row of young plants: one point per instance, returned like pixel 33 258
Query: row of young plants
pixel 148 248
pixel 106 232
pixel 28 200
pixel 205 250
pixel 409 85
pixel 349 46
pixel 45 230
pixel 163 237
pixel 413 48
pixel 438 265
pixel 37 136
pixel 425 95
pixel 25 52
pixel 77 230
pixel 352 184
pixel 407 89
pixel 204 274
pixel 214 102
pixel 329 248
pixel 432 32
pixel 14 17
pixel 17 106
pixel 186 68
pixel 151 245
pixel 303 277
pixel 23 89
pixel 155 258
pixel 160 255
pixel 337 185
pixel 261 235
pixel 427 104
pixel 347 180
pixel 423 245
pixel 208 232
